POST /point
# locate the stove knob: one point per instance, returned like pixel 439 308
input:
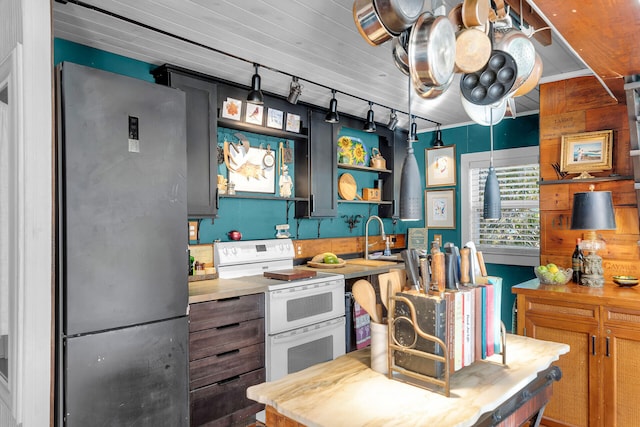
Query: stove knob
pixel 234 251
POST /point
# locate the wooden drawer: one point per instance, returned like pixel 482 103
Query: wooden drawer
pixel 210 342
pixel 562 311
pixel 220 367
pixel 212 314
pixel 216 404
pixel 621 317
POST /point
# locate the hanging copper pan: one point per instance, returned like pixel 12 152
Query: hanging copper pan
pixel 532 80
pixel 368 23
pixel 398 15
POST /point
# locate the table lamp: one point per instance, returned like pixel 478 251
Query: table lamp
pixel 592 210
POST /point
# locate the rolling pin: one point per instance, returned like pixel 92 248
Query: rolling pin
pixel 464 266
pixel 438 271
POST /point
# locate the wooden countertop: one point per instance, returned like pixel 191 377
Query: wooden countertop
pixel 346 392
pixel 208 290
pixel 609 294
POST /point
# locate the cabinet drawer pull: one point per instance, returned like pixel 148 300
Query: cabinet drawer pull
pixel 228 380
pixel 593 345
pixel 607 347
pixel 232 325
pixel 228 353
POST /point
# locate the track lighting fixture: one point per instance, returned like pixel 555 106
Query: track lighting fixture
pixel 255 95
pixel 370 125
pixel 413 130
pixel 438 142
pixel 295 90
pixel 492 208
pixel 393 121
pixel 332 116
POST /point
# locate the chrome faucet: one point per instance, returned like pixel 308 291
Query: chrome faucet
pixel 366 234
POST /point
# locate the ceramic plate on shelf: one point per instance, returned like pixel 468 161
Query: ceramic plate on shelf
pixel 625 280
pixel 352 151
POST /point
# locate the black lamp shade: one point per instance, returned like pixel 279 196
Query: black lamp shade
pixel 593 210
pixel 255 95
pixel 492 208
pixel 438 142
pixel 295 89
pixel 410 189
pixel 413 132
pixel 332 116
pixel 370 125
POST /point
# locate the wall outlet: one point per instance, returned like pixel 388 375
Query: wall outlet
pixel 438 239
pixel 193 230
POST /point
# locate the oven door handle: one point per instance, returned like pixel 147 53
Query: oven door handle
pixel 303 290
pixel 314 330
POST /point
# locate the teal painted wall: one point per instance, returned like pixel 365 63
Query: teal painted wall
pixel 256 219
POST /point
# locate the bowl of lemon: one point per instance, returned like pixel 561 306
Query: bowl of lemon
pixel 551 274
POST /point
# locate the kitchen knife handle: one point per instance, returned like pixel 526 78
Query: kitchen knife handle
pixel 483 267
pixel 464 265
pixel 439 277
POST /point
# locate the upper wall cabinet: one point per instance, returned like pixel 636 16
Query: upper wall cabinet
pixel 202 193
pixel 316 170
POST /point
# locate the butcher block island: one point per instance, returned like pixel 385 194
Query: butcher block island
pixel 347 392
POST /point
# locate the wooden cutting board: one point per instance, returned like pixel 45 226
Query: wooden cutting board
pixel 289 275
pixel 347 187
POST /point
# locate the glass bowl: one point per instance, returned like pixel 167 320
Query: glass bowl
pixel 561 277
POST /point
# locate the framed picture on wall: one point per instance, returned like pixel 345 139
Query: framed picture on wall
pixel 440 208
pixel 440 166
pixel 254 113
pixel 586 152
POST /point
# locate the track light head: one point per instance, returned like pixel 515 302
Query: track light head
pixel 370 124
pixel 255 95
pixel 295 90
pixel 393 121
pixel 332 116
pixel 438 142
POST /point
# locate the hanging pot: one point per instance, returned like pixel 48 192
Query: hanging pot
pixel 493 82
pixel 473 46
pixel 368 23
pixel 432 45
pixel 475 13
pixel 399 52
pixel 481 114
pixel 532 80
pixel 508 39
pixel 398 15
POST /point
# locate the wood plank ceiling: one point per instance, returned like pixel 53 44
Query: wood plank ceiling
pixel 316 41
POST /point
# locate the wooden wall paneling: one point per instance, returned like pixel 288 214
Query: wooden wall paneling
pixel 554 197
pixel 344 245
pixel 584 93
pixel 562 123
pixel 622 163
pixel 552 99
pixel 608 117
pixel 549 156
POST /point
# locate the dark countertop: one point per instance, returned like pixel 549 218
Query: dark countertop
pixel 215 289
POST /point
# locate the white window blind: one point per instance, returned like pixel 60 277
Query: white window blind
pixel 515 238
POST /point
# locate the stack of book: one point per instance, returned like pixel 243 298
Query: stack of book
pixel 467 319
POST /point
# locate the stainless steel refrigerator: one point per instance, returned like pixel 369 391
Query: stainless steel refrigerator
pixel 122 267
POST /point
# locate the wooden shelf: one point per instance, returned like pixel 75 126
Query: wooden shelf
pixel 263 197
pixel 371 202
pixel 362 168
pixel 262 130
pixel 578 181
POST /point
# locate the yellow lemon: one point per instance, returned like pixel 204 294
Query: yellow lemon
pixel 553 269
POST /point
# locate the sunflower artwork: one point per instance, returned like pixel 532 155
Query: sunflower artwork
pixel 351 151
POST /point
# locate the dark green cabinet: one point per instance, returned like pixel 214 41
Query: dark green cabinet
pixel 202 156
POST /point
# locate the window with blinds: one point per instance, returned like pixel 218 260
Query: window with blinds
pixel 514 238
pixel 519 226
